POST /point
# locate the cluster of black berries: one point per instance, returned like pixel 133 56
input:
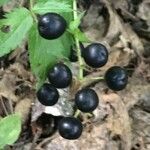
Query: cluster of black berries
pixel 52 26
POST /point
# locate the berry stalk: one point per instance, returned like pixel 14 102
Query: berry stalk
pixel 93 78
pixel 77 113
pixel 77 43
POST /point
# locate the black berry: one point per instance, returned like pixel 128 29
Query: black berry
pixel 95 55
pixel 46 123
pixel 60 76
pixel 51 25
pixel 48 95
pixel 86 100
pixel 70 128
pixel 116 78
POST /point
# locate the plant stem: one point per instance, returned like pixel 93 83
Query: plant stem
pixel 77 113
pixel 78 44
pixel 94 78
pixel 31 3
pixel 87 81
pixel 75 10
pixel 88 114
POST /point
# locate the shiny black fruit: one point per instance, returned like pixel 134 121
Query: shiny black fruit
pixel 51 26
pixel 95 55
pixel 48 95
pixel 86 100
pixel 116 78
pixel 60 76
pixel 70 128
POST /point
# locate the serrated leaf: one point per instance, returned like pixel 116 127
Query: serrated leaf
pixel 2 2
pixel 19 22
pixel 74 29
pixel 58 6
pixel 10 128
pixel 75 23
pixel 45 53
pixel 80 36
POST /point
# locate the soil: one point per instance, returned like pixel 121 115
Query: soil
pixel 122 119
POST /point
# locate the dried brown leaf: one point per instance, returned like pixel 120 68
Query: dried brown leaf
pixel 23 107
pixel 13 79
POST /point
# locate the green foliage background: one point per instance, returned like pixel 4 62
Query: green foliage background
pixel 22 25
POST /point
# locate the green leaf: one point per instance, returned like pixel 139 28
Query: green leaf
pixel 74 29
pixel 10 128
pixel 45 53
pixel 81 36
pixel 19 22
pixel 2 2
pixel 75 23
pixel 58 6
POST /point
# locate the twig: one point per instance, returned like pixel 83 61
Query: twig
pixel 40 145
pixel 36 137
pixel 10 106
pixel 4 107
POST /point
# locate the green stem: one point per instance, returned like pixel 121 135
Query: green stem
pixel 95 78
pixel 89 114
pixel 32 13
pixel 78 44
pixel 75 10
pixel 31 4
pixel 77 113
pixel 87 81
